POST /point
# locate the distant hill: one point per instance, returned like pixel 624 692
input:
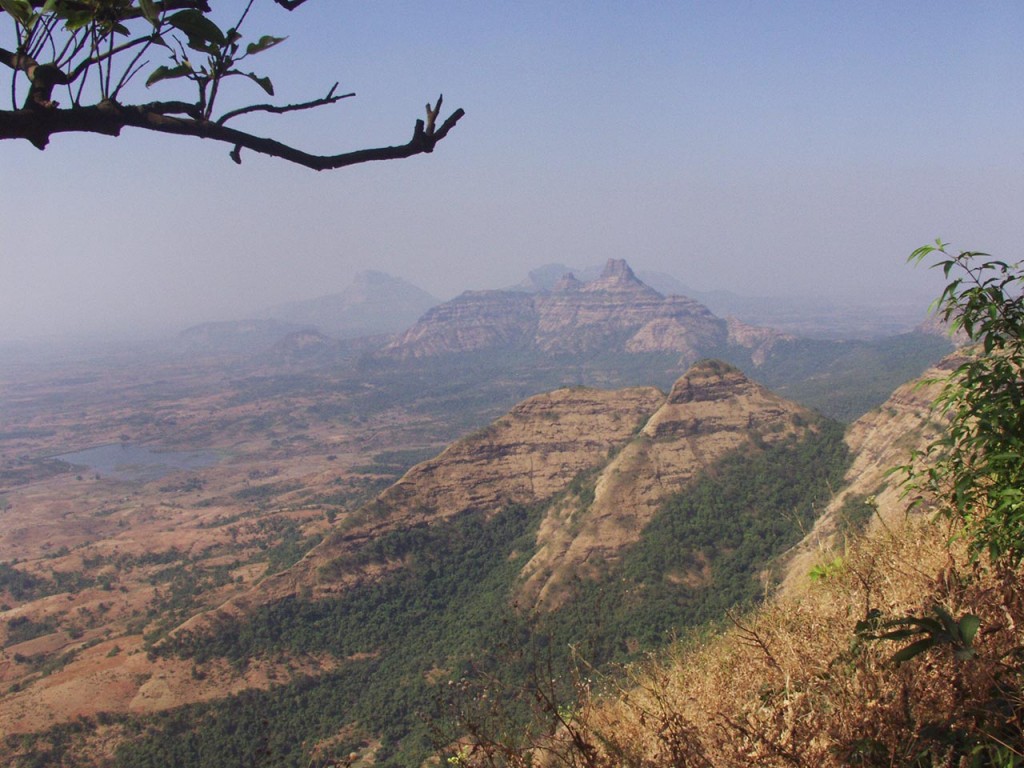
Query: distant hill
pixel 614 313
pixel 235 337
pixel 374 303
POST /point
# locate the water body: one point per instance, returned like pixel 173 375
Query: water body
pixel 137 463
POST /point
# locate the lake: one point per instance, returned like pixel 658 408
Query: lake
pixel 137 463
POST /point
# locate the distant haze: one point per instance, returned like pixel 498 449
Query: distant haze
pixel 770 149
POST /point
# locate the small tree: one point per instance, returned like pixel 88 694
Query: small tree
pixel 976 468
pixel 88 51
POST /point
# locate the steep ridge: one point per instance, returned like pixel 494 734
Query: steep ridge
pixel 879 440
pixel 613 455
pixel 527 456
pixel 616 313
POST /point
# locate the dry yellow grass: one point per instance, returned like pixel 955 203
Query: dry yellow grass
pixel 790 684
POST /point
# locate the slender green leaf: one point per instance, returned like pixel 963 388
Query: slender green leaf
pixel 265 42
pixel 912 650
pixel 969 625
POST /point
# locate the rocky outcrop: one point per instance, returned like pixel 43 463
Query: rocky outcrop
pixel 472 322
pixel 760 341
pixel 614 313
pixel 712 410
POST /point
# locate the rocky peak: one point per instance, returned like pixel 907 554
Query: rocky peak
pixel 615 313
pixel 706 381
pixel 567 283
pixel 618 277
pixel 617 268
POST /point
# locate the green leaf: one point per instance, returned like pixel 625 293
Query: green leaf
pixel 149 10
pixel 265 42
pixel 21 10
pixel 197 27
pixel 77 20
pixel 969 625
pixel 947 620
pixel 197 44
pixel 262 82
pixel 167 73
pixel 912 650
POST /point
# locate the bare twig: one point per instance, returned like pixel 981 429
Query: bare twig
pixel 330 98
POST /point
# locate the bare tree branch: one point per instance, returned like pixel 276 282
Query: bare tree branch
pixel 110 52
pixel 330 98
pixel 109 118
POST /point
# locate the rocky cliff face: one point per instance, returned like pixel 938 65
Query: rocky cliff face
pixel 474 321
pixel 614 313
pixel 712 410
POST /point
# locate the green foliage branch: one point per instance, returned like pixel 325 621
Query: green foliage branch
pixel 91 50
pixel 975 469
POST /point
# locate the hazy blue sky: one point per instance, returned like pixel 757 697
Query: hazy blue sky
pixel 763 147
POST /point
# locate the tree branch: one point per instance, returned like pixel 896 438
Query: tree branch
pixel 109 118
pixel 330 98
pixel 42 77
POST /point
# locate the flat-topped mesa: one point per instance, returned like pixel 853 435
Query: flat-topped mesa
pixel 615 314
pixel 618 277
